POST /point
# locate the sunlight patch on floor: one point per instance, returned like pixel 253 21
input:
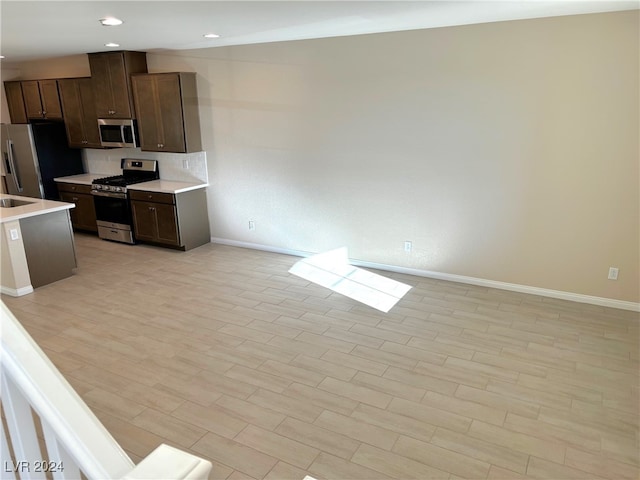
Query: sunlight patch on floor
pixel 332 270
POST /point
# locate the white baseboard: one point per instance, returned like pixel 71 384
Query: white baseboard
pixel 514 287
pixel 264 248
pixel 16 292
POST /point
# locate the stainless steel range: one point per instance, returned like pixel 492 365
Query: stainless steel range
pixel 110 197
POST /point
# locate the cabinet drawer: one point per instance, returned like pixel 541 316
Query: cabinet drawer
pixel 74 188
pixel 83 217
pixel 152 196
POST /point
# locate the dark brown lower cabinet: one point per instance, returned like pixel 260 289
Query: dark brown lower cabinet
pixel 83 217
pixel 155 222
pixel 173 220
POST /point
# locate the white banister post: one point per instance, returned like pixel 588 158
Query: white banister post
pixel 169 462
pixel 22 431
pixel 61 465
pixel 5 457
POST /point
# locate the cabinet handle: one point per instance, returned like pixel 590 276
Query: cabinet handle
pixel 151 209
pixel 73 188
pixel 75 199
pixel 44 113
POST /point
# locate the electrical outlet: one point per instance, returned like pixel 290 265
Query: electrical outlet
pixel 252 225
pixel 407 246
pixel 185 164
pixel 14 234
pixel 613 273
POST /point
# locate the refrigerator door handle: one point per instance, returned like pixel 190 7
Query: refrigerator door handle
pixel 11 166
pixel 7 164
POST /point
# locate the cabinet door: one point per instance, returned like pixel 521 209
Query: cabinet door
pixel 73 113
pixel 119 80
pixel 159 106
pixel 144 222
pixel 32 103
pixel 50 99
pixel 112 88
pixel 100 77
pixel 167 223
pixel 110 85
pixel 41 99
pixel 15 102
pixel 169 103
pixel 83 217
pixel 155 222
pixel 79 111
pixel 149 124
pixel 89 117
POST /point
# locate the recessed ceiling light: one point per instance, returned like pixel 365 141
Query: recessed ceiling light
pixel 111 45
pixel 110 21
pixel 211 35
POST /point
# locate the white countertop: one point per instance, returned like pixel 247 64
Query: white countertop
pixel 167 186
pixel 37 206
pixel 82 179
pixel 160 186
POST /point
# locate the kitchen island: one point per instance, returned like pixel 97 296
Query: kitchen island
pixel 37 243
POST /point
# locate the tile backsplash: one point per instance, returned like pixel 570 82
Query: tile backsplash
pixel 182 167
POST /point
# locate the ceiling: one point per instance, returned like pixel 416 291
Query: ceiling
pixel 32 30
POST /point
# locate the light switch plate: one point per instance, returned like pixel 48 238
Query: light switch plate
pixel 14 234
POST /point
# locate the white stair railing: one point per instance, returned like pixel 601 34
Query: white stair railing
pixel 75 440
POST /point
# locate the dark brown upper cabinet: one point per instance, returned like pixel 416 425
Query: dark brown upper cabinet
pixel 167 111
pixel 15 102
pixel 110 73
pixel 41 99
pixel 79 108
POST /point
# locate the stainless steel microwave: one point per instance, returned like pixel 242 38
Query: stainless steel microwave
pixel 118 132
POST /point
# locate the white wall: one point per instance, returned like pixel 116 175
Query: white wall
pixel 14 269
pixel 504 151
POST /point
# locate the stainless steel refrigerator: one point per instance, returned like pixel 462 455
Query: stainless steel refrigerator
pixel 33 155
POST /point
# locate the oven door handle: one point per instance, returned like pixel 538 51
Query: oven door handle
pixel 108 194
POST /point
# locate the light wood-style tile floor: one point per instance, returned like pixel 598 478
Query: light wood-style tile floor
pixel 221 352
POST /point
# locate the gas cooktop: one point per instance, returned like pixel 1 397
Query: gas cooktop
pixel 133 171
